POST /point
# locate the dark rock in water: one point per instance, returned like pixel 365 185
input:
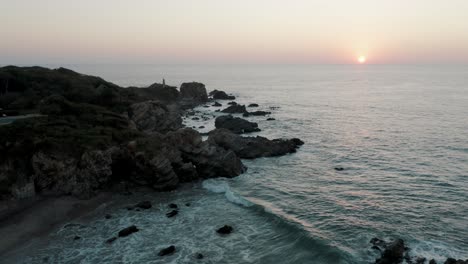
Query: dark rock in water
pixel 216 104
pixel 199 256
pixel 393 252
pixel 206 106
pixel 274 107
pixel 420 261
pixel 225 230
pixel 236 124
pixel 187 204
pixel 454 261
pixel 144 205
pixel 154 116
pixel 195 92
pixel 128 231
pixel 167 251
pixel 221 95
pixel 253 147
pixel 201 127
pixel 270 119
pixel 235 109
pixel 217 110
pixel 297 141
pixel 195 118
pixel 253 105
pixel 172 213
pixel 110 240
pixel 432 261
pixel 77 238
pixel 108 216
pixel 339 168
pixel 257 113
pixel 232 103
pixel 173 206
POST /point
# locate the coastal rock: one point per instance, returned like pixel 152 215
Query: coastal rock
pixel 128 231
pixel 270 119
pixel 221 95
pixel 167 251
pixel 225 230
pixel 235 109
pixel 153 116
pixel 253 147
pixel 391 252
pixel 454 261
pixel 193 92
pixel 216 104
pixel 111 240
pixel 199 256
pixel 253 105
pixel 173 206
pixel 256 113
pixel 236 124
pixel 232 103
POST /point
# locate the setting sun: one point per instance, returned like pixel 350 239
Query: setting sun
pixel 362 59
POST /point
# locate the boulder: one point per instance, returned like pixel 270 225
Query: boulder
pixel 194 92
pixel 236 124
pixel 253 147
pixel 128 231
pixel 154 116
pixel 235 109
pixel 221 95
pixel 216 104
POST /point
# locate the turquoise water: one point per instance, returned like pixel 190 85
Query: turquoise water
pixel 399 132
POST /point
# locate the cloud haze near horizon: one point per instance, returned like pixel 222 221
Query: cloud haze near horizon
pixel 242 31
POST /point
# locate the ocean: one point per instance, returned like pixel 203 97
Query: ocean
pixel 399 132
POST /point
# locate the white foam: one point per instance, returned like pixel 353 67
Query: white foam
pixel 221 186
pixel 436 250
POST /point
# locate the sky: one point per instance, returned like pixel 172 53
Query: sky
pixel 240 31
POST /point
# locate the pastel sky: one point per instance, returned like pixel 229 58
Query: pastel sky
pixel 233 31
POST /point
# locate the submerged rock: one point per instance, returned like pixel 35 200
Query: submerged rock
pixel 270 119
pixel 128 231
pixel 236 124
pixel 253 105
pixel 111 240
pixel 167 251
pixel 144 205
pixel 199 256
pixel 172 213
pixel 173 206
pixel 232 103
pixel 225 230
pixel 235 109
pixel 253 147
pixel 339 168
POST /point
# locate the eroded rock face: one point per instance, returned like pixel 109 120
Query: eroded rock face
pixel 153 116
pixel 194 91
pixel 236 124
pixel 253 147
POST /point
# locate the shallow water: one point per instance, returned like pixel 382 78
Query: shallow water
pixel 399 132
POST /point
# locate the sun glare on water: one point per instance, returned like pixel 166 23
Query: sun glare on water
pixel 362 59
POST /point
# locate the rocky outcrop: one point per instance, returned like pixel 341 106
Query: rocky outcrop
pixel 221 95
pixel 253 147
pixel 235 109
pixel 236 124
pixel 153 116
pixel 193 93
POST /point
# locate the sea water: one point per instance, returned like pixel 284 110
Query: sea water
pixel 399 132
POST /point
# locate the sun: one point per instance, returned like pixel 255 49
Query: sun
pixel 362 59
